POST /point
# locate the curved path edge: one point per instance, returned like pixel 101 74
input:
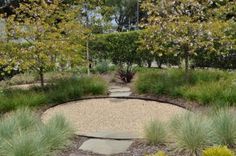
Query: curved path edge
pixel 119 97
pixel 108 97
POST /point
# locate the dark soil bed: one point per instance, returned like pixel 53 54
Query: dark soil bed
pixel 138 148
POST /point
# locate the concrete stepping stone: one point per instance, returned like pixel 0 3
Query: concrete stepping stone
pixel 114 87
pixel 120 94
pixel 113 135
pixel 118 91
pixel 121 89
pixel 106 147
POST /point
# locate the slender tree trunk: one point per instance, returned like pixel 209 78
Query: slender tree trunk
pixel 119 28
pixel 186 66
pixel 41 75
pixel 159 63
pixel 149 64
pixel 87 41
pixel 88 58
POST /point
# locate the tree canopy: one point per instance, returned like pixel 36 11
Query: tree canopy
pixel 42 36
pixel 188 27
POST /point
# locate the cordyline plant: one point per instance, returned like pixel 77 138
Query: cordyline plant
pixel 47 35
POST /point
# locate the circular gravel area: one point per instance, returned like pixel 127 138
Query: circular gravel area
pixel 113 115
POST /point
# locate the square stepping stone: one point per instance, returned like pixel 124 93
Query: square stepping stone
pixel 106 147
pixel 113 135
pixel 120 94
pixel 123 89
pixel 115 87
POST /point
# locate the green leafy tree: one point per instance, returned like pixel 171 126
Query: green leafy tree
pixel 46 34
pixel 186 27
pixel 125 13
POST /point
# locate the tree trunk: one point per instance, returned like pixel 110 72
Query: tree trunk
pixel 119 28
pixel 159 63
pixel 41 75
pixel 149 64
pixel 186 66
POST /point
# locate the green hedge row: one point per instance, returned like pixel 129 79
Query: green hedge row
pixel 121 48
pixel 125 48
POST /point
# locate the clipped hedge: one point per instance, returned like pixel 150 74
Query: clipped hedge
pixel 128 48
pixel 121 48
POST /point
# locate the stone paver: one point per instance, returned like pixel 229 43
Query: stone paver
pixel 120 94
pixel 114 87
pixel 113 135
pixel 118 91
pixel 106 147
pixel 122 89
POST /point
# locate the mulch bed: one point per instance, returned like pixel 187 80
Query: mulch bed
pixel 190 105
pixel 138 148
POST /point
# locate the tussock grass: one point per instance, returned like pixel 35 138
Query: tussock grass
pixel 23 134
pixel 209 87
pixel 155 133
pixel 58 92
pixel 224 127
pixel 192 133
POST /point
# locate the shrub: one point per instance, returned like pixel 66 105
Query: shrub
pixel 126 75
pixel 218 151
pixel 102 67
pixel 224 127
pixel 121 48
pixel 155 133
pixel 191 132
pixel 23 134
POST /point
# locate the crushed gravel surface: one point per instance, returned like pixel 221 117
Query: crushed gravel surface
pixel 116 115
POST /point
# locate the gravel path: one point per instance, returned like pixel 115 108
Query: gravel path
pixel 118 115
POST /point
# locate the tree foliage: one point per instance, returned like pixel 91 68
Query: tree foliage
pixel 185 28
pixel 124 13
pixel 46 36
pixel 121 48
